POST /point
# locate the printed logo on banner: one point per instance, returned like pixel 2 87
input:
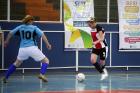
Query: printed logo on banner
pixel 129 24
pixel 76 13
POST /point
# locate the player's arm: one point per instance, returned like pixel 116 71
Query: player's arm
pixel 10 34
pixel 8 39
pixel 40 33
pixel 101 37
pixel 46 41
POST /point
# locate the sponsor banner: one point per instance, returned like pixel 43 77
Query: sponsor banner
pixel 76 14
pixel 129 24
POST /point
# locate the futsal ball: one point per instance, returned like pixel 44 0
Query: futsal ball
pixel 80 77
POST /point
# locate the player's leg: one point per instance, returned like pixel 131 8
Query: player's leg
pixel 37 55
pixel 103 56
pixel 11 69
pixel 43 70
pixel 95 63
pixel 105 73
pixel 45 63
pixel 102 62
pixel 22 55
pixel 94 55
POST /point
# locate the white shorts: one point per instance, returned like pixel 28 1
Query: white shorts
pixel 33 52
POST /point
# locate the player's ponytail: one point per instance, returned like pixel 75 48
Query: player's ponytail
pixel 27 18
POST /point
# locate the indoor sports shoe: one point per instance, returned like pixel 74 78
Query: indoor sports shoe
pixel 105 71
pixel 104 75
pixel 4 80
pixel 43 78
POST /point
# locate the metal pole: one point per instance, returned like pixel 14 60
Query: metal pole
pixel 77 60
pixel 110 49
pixel 61 8
pixel 8 10
pixel 108 11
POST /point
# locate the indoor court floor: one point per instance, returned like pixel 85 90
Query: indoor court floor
pixel 117 82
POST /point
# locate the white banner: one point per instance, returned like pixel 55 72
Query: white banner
pixel 76 13
pixel 129 24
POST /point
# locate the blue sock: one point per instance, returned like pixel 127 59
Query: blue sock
pixel 11 69
pixel 44 68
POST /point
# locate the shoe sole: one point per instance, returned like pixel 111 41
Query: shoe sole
pixel 44 80
pixel 104 77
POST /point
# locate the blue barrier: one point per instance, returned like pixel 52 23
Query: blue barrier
pixel 61 58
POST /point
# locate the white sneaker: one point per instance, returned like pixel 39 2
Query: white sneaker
pixel 105 71
pixel 104 75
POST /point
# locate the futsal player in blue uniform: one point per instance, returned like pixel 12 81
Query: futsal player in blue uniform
pixel 28 47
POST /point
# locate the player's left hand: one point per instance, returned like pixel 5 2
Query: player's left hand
pixel 49 46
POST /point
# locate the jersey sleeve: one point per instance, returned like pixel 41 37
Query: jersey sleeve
pixel 99 28
pixel 38 32
pixel 15 30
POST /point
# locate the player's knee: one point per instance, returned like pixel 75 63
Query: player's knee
pixel 17 63
pixel 93 61
pixel 45 60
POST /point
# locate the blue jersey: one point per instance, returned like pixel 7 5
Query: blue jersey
pixel 27 34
